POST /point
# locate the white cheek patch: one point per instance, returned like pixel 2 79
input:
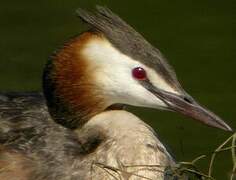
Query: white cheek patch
pixel 113 73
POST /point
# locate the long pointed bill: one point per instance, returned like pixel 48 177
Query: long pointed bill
pixel 187 106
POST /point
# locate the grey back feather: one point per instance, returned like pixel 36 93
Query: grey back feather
pixel 128 41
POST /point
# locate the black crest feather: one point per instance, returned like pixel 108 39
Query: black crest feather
pixel 128 41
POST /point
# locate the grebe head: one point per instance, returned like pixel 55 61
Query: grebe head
pixel 113 64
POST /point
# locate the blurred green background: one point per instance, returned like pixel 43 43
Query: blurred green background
pixel 198 38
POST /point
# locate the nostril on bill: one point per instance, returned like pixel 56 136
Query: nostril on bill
pixel 188 100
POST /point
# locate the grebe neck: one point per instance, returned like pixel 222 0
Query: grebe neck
pixel 71 95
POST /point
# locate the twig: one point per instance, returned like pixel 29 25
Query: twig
pixel 198 173
pixel 119 170
pixel 233 156
pixel 214 155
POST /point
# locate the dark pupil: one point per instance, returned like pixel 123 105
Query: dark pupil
pixel 139 73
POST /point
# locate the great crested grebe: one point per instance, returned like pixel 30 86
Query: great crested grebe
pixel 86 83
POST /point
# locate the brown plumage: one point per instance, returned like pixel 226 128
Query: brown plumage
pixel 68 84
pixel 77 130
pixel 14 165
pixel 35 147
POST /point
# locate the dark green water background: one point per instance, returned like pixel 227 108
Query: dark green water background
pixel 198 38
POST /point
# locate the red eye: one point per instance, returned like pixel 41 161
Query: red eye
pixel 139 73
